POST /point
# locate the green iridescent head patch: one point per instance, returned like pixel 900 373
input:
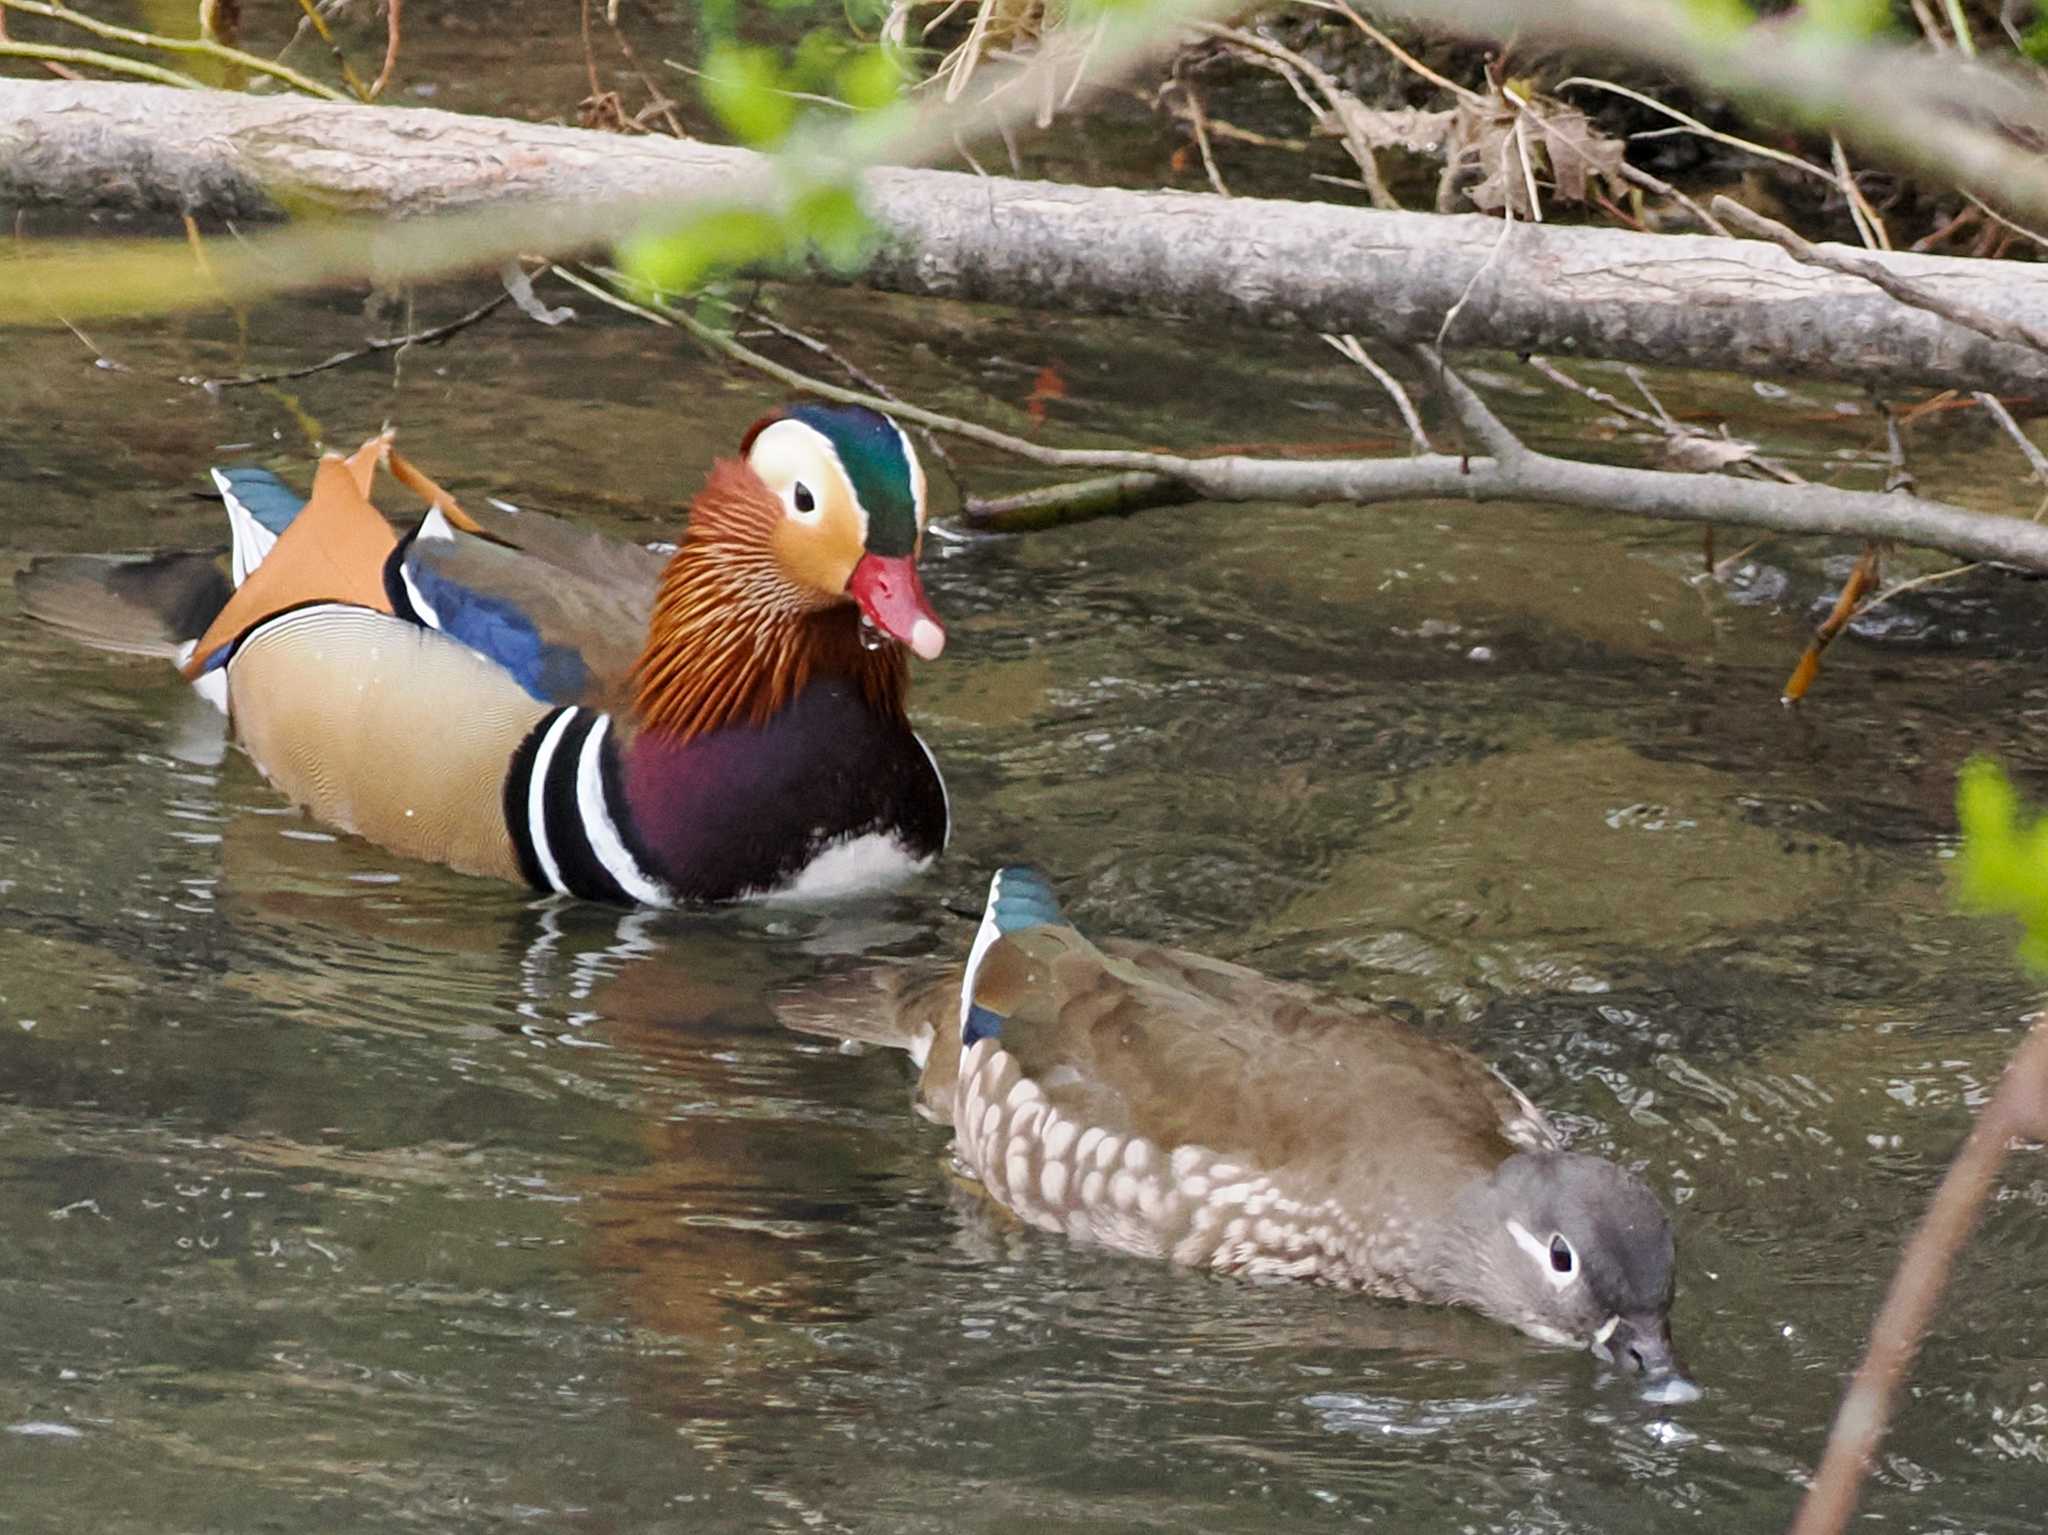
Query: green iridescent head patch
pixel 877 460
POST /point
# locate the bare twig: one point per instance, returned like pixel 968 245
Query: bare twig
pixel 1329 114
pixel 2004 222
pixel 204 47
pixel 1904 289
pixel 1500 244
pixel 394 11
pixel 1694 125
pixel 2036 459
pixel 319 24
pixel 1198 119
pixel 1349 346
pixel 1662 423
pixel 370 348
pixel 2018 1108
pixel 1053 506
pixel 1395 51
pixel 1900 588
pixel 1848 603
pixel 1897 476
pixel 60 57
pixel 659 102
pixel 1868 224
pixel 59 70
pixel 855 372
pixel 1642 178
pixel 1472 412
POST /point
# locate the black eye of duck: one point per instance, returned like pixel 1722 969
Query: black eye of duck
pixel 805 501
pixel 1561 1255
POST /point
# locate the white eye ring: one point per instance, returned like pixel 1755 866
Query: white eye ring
pixel 1564 1260
pixel 1547 1254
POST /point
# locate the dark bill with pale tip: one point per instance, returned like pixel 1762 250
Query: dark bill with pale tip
pixel 1642 1345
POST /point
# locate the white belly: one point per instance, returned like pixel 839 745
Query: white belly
pixel 851 866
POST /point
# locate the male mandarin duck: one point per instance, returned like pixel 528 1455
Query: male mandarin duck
pixel 513 696
pixel 1178 1107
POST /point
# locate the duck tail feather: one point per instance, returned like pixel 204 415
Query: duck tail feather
pixel 141 605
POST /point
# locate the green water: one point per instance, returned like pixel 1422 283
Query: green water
pixel 338 1192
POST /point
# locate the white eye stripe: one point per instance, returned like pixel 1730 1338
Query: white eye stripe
pixel 916 464
pixel 789 453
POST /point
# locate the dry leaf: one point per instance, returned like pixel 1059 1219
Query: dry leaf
pixel 1408 128
pixel 1577 151
pixel 1703 455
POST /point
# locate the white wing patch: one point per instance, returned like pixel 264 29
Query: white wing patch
pixel 251 540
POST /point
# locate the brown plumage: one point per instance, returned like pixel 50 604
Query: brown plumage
pixel 700 670
pixel 1173 1106
pixel 334 551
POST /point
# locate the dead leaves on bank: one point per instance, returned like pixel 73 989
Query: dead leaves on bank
pixel 1502 150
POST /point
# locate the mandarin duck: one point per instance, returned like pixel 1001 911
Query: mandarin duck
pixel 1172 1106
pixel 513 696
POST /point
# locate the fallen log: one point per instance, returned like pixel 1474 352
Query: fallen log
pixel 1694 300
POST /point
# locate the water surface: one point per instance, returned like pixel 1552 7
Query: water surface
pixel 341 1192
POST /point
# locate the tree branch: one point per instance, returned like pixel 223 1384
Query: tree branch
pixel 2018 1108
pixel 1514 472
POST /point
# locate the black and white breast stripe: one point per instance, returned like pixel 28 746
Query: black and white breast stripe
pixel 559 806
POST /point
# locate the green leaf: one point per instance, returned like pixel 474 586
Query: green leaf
pixel 816 60
pixel 1718 20
pixel 2034 41
pixel 868 79
pixel 679 259
pixel 2003 865
pixel 1846 20
pixel 744 86
pixel 830 218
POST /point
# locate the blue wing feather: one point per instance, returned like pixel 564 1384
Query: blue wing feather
pixel 1019 898
pixel 266 498
pixel 495 627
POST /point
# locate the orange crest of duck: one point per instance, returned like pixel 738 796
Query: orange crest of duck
pixel 513 695
pixel 812 537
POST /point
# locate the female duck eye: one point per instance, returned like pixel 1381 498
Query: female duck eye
pixel 1562 1258
pixel 805 501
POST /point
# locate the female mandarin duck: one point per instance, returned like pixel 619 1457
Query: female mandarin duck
pixel 1178 1107
pixel 520 698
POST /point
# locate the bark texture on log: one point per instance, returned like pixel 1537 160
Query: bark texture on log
pixel 1698 301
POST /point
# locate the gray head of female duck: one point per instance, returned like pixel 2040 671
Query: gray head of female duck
pixel 1571 1249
